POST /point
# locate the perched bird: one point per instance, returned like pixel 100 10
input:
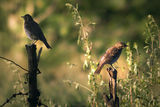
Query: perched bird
pixel 111 56
pixel 33 31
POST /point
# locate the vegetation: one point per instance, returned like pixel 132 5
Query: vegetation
pixel 143 76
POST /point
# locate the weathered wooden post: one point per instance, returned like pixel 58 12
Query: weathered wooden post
pixel 32 76
pixel 113 101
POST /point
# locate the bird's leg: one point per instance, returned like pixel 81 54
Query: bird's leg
pixel 112 66
pixel 34 41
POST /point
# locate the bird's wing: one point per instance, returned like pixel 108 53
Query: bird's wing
pixel 33 28
pixel 102 60
pixel 37 31
pixel 40 34
pixel 107 58
pixel 114 51
pixel 112 54
pixel 100 65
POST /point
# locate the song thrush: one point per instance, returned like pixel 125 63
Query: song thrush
pixel 33 31
pixel 111 56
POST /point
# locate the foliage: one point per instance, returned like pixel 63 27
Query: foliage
pixel 95 82
pixel 138 89
pixel 19 84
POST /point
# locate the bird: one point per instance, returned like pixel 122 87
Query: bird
pixel 33 30
pixel 111 56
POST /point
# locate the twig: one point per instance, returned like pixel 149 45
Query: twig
pixel 39 54
pixel 80 85
pixel 13 63
pixel 83 87
pixel 41 104
pixel 13 96
pixel 106 98
pixel 38 58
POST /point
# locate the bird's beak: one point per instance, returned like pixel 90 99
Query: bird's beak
pixel 22 17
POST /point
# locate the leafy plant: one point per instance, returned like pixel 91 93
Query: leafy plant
pixel 144 71
pixel 95 82
pixel 143 76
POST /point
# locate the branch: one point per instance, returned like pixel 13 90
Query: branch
pixel 41 104
pixel 38 58
pixel 13 96
pixel 13 63
pixel 83 86
pixel 77 85
pixel 39 54
pixel 106 98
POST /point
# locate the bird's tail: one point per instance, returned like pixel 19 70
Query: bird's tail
pixel 47 45
pixel 99 68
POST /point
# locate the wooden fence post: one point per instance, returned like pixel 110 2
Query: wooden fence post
pixel 32 76
pixel 113 101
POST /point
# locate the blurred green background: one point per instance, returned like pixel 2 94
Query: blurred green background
pixel 116 20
